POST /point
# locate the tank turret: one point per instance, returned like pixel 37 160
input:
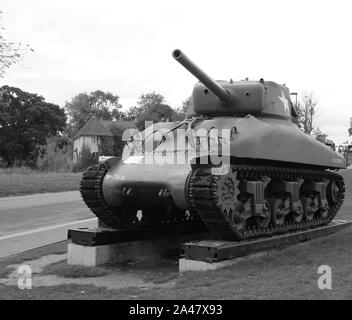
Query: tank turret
pixel 224 98
pixel 223 94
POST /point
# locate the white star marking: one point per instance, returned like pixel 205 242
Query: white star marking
pixel 284 101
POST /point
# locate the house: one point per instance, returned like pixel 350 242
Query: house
pixel 102 137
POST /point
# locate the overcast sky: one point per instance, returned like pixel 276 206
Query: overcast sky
pixel 125 47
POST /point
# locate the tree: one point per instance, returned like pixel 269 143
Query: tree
pixel 319 135
pixel 306 110
pixel 104 105
pixel 185 105
pixel 157 113
pixel 323 137
pixel 144 103
pixel 26 120
pixel 10 52
pixel 151 107
pixel 132 114
pixel 183 110
pixel 147 100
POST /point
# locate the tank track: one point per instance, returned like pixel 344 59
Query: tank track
pixel 204 199
pixel 91 192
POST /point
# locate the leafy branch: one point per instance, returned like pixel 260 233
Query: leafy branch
pixel 10 52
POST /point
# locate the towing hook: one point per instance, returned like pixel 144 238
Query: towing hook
pixel 127 191
pixel 164 193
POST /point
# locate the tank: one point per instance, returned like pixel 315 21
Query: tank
pixel 238 162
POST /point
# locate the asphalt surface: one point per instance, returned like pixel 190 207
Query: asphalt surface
pixel 31 221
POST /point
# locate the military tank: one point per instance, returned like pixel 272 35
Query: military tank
pixel 271 178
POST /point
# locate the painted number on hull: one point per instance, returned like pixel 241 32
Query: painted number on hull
pixel 337 160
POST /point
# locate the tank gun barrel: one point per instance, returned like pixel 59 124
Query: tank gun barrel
pixel 213 86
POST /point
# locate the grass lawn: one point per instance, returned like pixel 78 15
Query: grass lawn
pixel 291 273
pixel 22 183
pixel 57 248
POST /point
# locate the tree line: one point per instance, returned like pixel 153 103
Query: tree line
pixel 27 121
pixel 307 111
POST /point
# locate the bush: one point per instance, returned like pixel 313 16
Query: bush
pixel 55 155
pixel 86 159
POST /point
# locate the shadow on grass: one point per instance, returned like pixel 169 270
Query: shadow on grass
pixel 155 268
pixel 64 270
pixel 56 248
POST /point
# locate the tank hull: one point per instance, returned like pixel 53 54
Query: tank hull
pixel 275 140
pixel 143 185
pixel 133 181
pixel 277 178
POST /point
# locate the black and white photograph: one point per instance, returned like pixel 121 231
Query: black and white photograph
pixel 172 155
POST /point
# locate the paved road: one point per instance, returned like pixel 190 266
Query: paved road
pixel 31 221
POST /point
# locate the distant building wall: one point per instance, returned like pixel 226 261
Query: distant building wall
pixel 92 142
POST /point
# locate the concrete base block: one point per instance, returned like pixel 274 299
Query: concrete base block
pixel 195 265
pixel 92 256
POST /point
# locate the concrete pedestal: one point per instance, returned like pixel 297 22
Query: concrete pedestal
pixel 196 265
pixel 92 256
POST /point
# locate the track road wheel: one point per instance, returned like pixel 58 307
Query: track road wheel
pixel 297 216
pixel 332 192
pixel 279 211
pixel 310 208
pixel 240 216
pixel 263 220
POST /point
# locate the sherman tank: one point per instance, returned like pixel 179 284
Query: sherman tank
pixel 238 162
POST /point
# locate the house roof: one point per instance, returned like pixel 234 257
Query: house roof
pixel 97 127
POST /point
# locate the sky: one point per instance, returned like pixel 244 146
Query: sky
pixel 125 47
